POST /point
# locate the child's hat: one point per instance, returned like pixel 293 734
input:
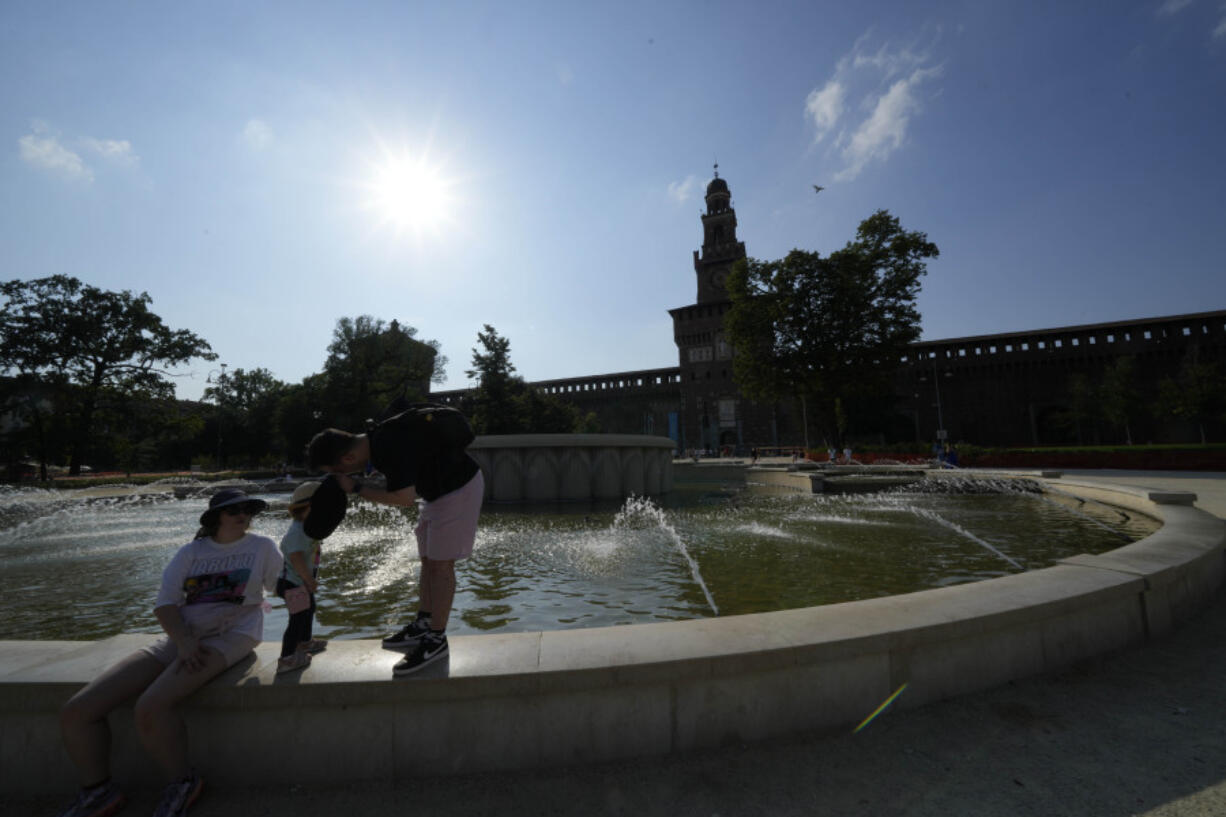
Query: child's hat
pixel 303 492
pixel 328 505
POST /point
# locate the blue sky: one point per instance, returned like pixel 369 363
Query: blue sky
pixel 246 163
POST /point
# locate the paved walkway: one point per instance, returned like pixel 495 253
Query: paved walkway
pixel 1140 732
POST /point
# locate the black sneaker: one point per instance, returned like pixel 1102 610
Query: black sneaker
pixel 179 796
pixel 100 801
pixel 428 651
pixel 409 636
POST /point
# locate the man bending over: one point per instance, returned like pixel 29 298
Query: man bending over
pixel 422 453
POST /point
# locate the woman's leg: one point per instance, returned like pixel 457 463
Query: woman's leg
pixel 87 735
pixel 159 723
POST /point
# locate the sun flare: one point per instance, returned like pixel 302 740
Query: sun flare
pixel 411 194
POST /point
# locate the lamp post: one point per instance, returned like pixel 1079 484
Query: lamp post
pixel 936 382
pixel 936 385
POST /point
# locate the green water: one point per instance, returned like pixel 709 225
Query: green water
pixel 83 569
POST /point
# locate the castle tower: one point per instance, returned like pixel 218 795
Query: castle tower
pixel 712 412
pixel 720 247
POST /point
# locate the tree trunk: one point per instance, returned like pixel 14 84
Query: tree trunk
pixel 80 437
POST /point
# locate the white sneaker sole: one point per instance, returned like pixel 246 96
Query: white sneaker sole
pixel 401 670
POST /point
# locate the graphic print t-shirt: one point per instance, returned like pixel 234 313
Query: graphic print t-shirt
pixel 219 588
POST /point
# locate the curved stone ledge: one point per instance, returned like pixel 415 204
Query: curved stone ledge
pixel 551 698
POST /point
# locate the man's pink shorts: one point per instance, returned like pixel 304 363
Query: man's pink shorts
pixel 447 527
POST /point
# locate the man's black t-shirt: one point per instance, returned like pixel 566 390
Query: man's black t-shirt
pixel 408 451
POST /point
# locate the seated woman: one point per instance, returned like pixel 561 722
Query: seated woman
pixel 211 607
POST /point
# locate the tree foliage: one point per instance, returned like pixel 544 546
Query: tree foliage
pixel 246 416
pixel 502 403
pixel 831 330
pixel 88 345
pixel 1197 394
pixel 1117 395
pixel 371 363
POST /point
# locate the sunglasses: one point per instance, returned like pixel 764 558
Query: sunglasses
pixel 249 508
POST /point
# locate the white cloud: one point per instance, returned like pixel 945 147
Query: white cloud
pixel 826 106
pixel 1170 7
pixel 115 150
pixel 886 128
pixel 681 191
pixel 879 88
pixel 257 134
pixel 47 153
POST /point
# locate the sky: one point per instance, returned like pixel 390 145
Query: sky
pixel 264 169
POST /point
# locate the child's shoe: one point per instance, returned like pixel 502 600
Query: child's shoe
pixel 301 659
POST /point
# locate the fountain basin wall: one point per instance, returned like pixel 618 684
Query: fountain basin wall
pixel 573 467
pixel 551 698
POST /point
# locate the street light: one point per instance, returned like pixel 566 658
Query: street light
pixel 936 385
pixel 221 396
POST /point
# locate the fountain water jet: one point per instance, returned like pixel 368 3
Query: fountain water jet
pixel 644 508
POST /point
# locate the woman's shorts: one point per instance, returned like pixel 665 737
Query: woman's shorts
pixel 233 647
pixel 447 527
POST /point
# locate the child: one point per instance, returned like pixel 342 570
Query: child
pixel 298 583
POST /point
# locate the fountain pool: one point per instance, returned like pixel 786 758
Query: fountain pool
pixel 81 568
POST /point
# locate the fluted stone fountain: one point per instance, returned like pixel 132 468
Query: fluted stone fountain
pixel 573 467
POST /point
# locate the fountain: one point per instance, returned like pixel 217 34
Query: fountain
pixel 691 554
pixel 573 467
pixel 551 683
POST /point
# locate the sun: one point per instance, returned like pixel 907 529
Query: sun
pixel 410 193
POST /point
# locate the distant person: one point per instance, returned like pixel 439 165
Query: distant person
pixel 753 453
pixel 298 583
pixel 951 456
pixel 834 457
pixel 211 607
pixel 422 453
pixel 847 455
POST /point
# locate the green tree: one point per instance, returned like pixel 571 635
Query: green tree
pixel 829 331
pixel 1197 394
pixel 1117 395
pixel 246 413
pixel 494 408
pixel 371 363
pixel 502 403
pixel 1082 405
pixel 88 343
pixel 299 415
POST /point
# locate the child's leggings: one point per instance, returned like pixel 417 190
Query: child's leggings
pixel 298 631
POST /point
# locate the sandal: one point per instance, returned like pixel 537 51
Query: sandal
pixel 315 645
pixel 290 663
